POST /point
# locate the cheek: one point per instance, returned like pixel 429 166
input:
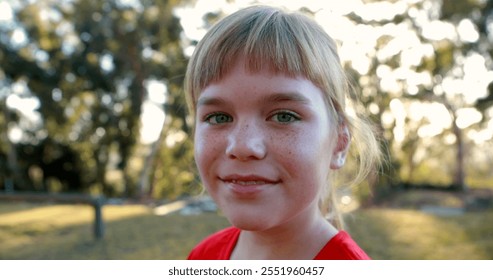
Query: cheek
pixel 307 154
pixel 206 150
pixel 311 143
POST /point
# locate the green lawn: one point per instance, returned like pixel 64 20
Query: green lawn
pixel 409 234
pixel 29 231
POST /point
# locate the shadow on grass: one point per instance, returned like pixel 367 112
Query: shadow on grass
pixel 409 234
pixel 139 237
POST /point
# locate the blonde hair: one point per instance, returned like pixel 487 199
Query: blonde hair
pixel 291 44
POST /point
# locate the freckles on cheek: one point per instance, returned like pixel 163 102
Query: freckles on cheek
pixel 306 147
pixel 206 151
pixel 290 149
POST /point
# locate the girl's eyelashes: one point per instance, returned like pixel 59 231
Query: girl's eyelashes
pixel 282 117
pixel 217 118
pixel 285 117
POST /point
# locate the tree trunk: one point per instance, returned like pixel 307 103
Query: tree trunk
pixel 13 174
pixel 459 176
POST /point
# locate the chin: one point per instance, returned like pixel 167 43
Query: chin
pixel 248 223
pixel 247 227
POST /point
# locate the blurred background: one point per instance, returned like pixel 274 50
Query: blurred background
pixel 92 105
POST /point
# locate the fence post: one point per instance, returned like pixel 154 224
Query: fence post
pixel 98 218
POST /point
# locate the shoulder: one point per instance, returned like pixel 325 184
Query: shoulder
pixel 217 246
pixel 342 247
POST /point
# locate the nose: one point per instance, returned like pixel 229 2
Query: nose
pixel 246 142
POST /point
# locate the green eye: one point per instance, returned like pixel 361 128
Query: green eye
pixel 218 118
pixel 285 117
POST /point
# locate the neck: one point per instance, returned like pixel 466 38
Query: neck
pixel 293 240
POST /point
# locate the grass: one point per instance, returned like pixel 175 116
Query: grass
pixel 410 234
pixel 50 232
pixel 30 231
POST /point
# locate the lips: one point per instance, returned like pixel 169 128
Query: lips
pixel 247 185
pixel 248 180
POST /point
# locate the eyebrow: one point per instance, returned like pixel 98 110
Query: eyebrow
pixel 286 97
pixel 210 101
pixel 271 98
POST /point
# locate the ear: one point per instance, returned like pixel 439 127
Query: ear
pixel 342 146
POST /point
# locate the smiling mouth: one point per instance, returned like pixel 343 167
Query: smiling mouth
pixel 248 185
pixel 249 180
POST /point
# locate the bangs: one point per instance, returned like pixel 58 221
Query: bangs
pixel 267 39
pixel 272 44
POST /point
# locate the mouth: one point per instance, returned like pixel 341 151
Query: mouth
pixel 246 180
pixel 248 185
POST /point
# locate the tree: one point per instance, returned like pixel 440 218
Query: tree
pixel 87 63
pixel 424 53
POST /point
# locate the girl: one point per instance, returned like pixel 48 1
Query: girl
pixel 268 94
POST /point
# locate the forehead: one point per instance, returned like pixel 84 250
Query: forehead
pixel 259 73
pixel 242 69
pixel 240 85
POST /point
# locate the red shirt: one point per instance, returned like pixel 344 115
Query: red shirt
pixel 220 245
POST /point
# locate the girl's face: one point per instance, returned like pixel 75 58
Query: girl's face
pixel 264 145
